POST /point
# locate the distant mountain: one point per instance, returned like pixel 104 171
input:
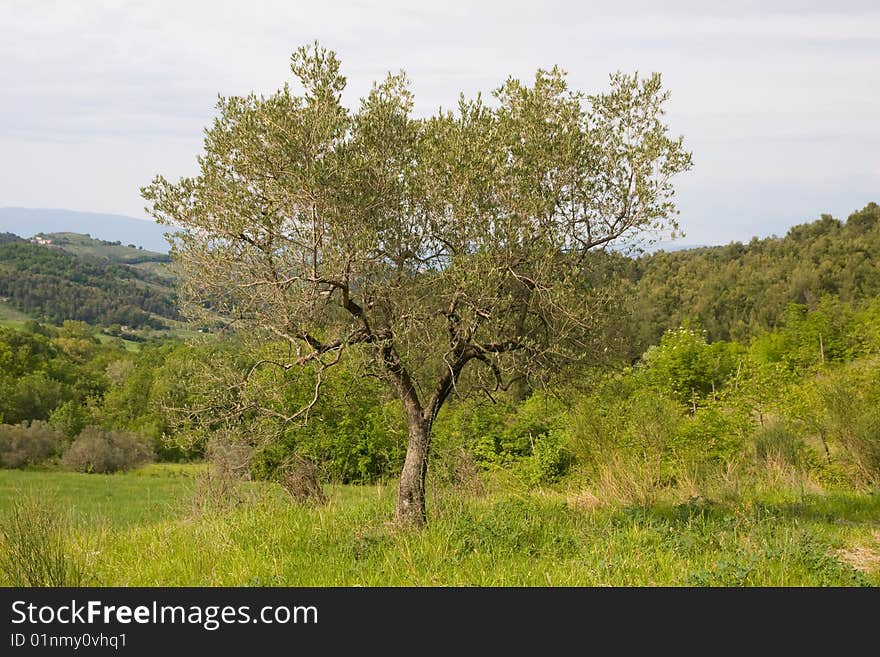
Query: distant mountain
pixel 27 222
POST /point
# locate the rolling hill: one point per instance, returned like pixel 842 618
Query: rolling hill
pixel 27 222
pixel 89 247
pixel 55 277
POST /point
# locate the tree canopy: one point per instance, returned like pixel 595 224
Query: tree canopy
pixel 423 243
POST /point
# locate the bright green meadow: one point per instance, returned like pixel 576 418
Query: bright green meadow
pixel 167 525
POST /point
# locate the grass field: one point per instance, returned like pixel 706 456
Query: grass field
pixel 161 526
pixel 148 495
pixel 83 245
pixel 128 345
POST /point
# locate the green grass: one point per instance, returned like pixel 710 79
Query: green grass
pixel 128 345
pixel 152 494
pixel 146 528
pixel 103 338
pixel 13 323
pixel 158 268
pixel 82 245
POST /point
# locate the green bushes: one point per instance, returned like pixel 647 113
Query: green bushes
pixel 712 435
pixel 99 451
pixel 93 450
pixel 355 438
pixel 527 437
pixel 805 396
pixel 776 444
pixel 26 444
pixel 502 433
pixel 616 420
pixel 851 418
pixel 660 424
pixel 550 459
pixel 687 367
pixel 653 421
pixel 70 418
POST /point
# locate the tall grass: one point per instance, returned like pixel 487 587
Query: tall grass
pixel 738 527
pixel 34 546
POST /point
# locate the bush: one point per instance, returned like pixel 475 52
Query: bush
pixel 100 451
pixel 864 444
pixel 775 444
pixel 711 435
pixel 686 366
pixel 455 469
pixel 299 477
pixel 596 429
pixel 652 423
pixel 499 434
pixel 70 418
pixel 852 406
pixel 215 492
pixel 624 481
pixel 27 444
pixel 355 439
pixel 229 459
pixel 33 547
pixel 549 461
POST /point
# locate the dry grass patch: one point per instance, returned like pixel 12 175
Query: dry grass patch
pixel 864 558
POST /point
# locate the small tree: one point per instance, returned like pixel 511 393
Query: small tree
pixel 688 366
pixel 425 245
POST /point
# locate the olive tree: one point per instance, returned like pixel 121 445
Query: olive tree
pixel 430 246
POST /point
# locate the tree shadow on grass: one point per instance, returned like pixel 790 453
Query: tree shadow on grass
pixel 838 508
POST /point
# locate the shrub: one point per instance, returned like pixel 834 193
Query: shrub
pixel 221 486
pixel 502 433
pixel 776 444
pixel 864 443
pixel 215 492
pixel 623 481
pixel 530 421
pixel 357 438
pixel 229 459
pixel 852 405
pixel 70 418
pixel 479 428
pixel 299 477
pixel 100 451
pixel 652 423
pixel 550 460
pixel 27 444
pixel 595 429
pixel 455 469
pixel 710 435
pixel 686 366
pixel 33 546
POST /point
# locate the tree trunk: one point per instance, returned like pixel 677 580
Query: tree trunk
pixel 411 489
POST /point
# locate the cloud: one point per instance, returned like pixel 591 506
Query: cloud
pixel 104 95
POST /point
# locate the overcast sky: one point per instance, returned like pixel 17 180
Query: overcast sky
pixel 780 102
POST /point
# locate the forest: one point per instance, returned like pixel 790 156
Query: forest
pixel 54 285
pixel 782 366
pixel 738 290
